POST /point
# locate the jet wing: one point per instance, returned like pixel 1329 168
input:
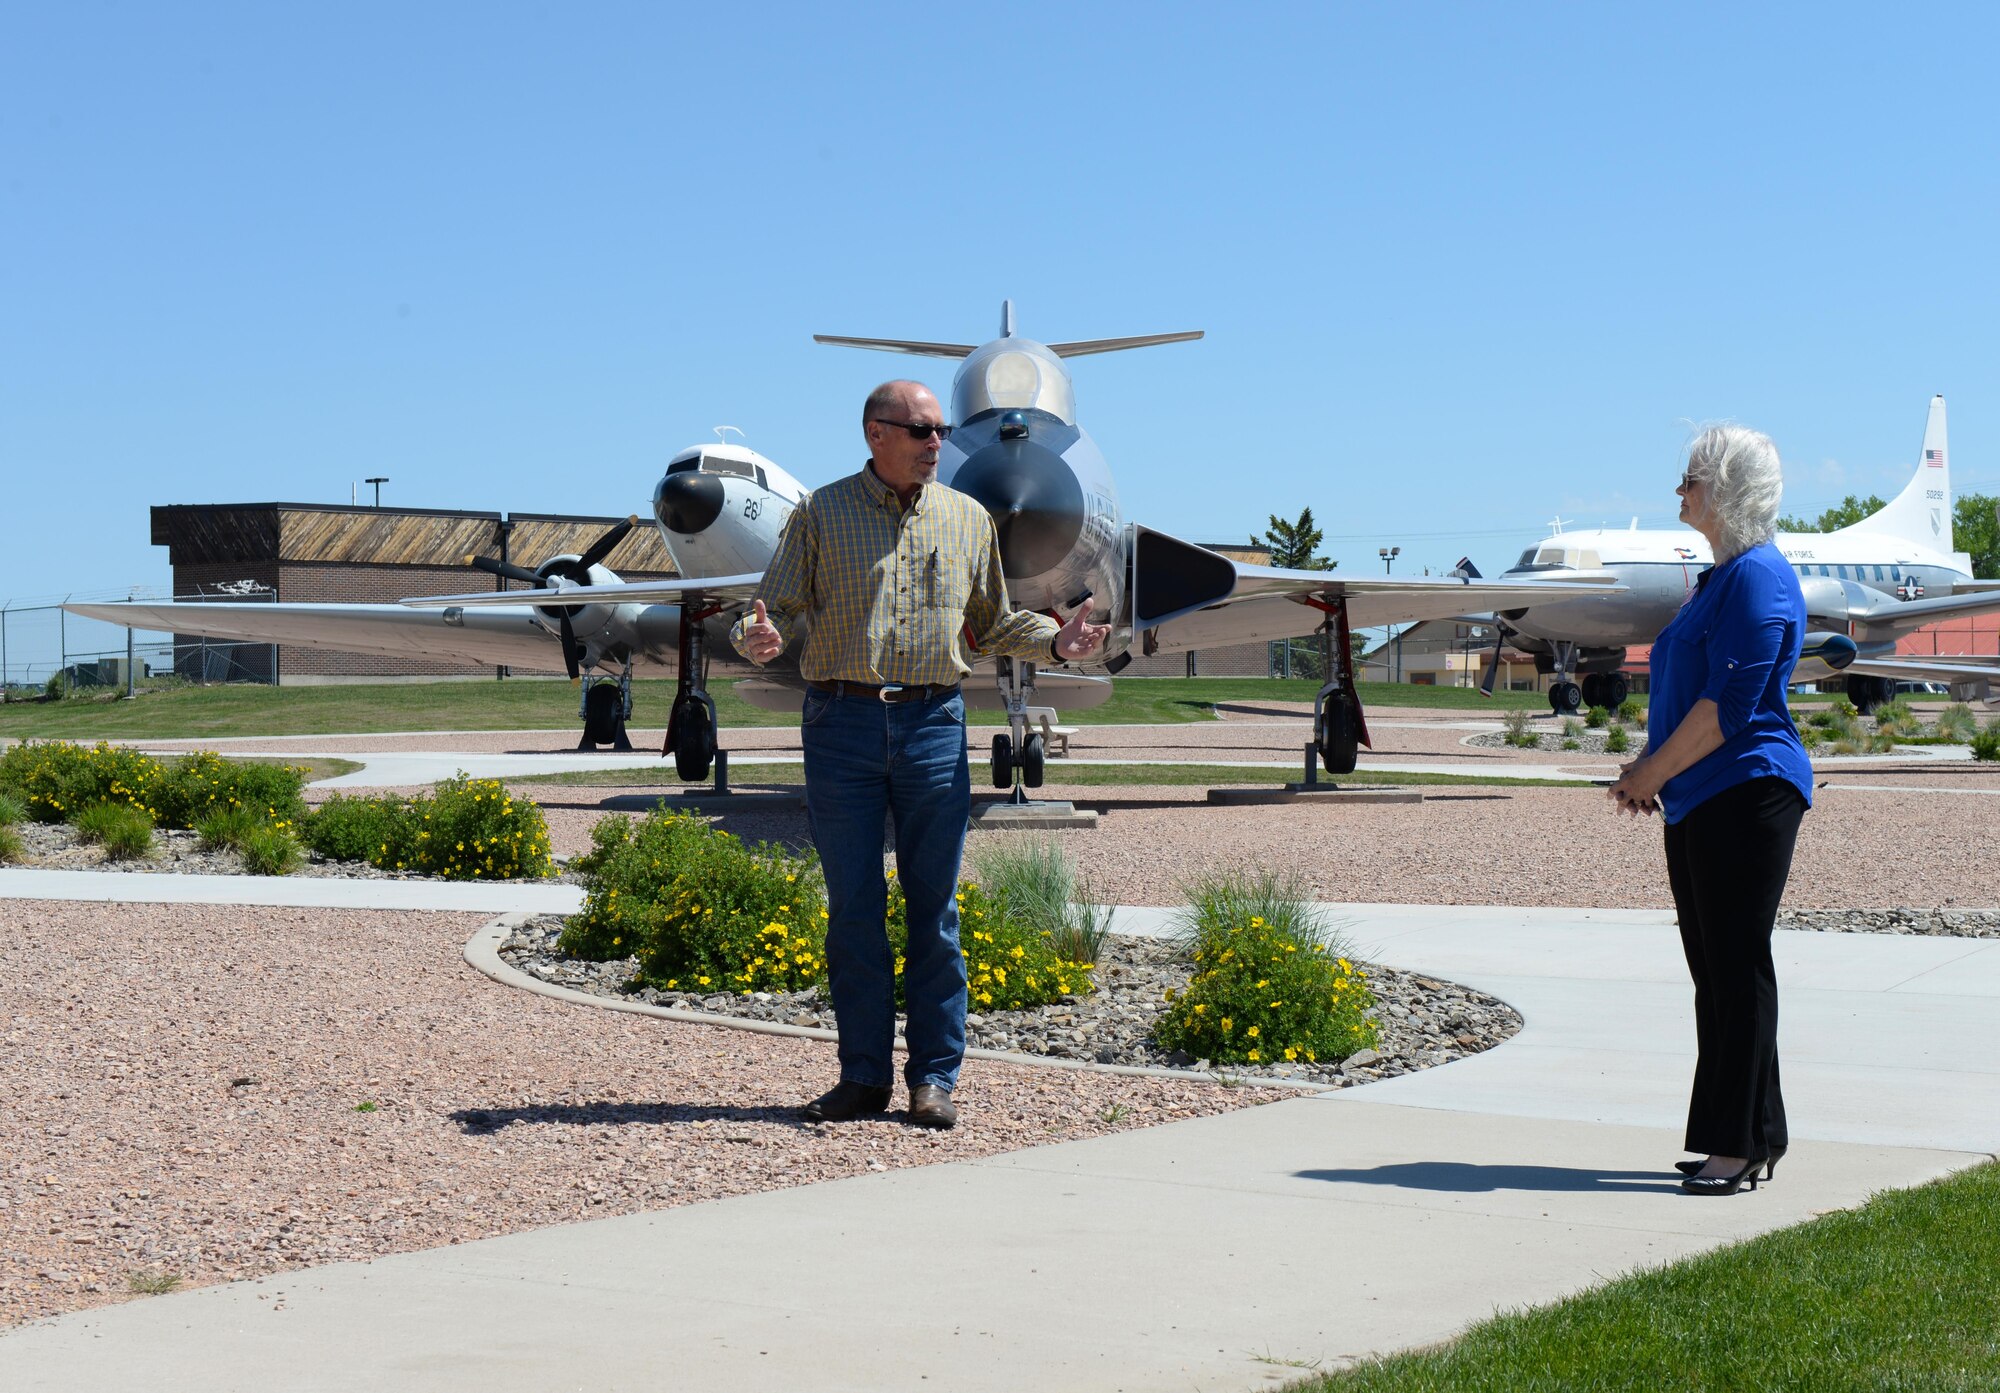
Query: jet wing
pixel 506 636
pixel 1946 667
pixel 1892 618
pixel 1269 602
pixel 728 589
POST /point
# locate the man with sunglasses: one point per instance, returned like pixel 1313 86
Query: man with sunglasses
pixel 900 580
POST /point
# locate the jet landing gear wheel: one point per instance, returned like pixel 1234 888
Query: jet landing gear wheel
pixel 1338 740
pixel 693 738
pixel 1003 761
pixel 1617 687
pixel 1032 755
pixel 604 717
pixel 1592 687
pixel 1565 698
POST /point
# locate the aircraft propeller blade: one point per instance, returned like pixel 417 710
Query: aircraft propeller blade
pixel 494 567
pixel 1493 665
pixel 603 546
pixel 570 664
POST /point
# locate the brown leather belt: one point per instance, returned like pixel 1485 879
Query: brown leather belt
pixel 916 691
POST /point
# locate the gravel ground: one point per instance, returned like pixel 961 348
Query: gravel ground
pixel 128 1146
pixel 186 1084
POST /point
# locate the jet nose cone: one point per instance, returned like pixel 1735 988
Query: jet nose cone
pixel 687 502
pixel 1035 500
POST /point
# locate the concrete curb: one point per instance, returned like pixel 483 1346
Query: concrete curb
pixel 482 951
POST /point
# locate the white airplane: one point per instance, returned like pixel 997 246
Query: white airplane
pixel 1865 586
pixel 1018 448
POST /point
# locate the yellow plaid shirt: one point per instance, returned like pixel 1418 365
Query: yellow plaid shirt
pixel 890 591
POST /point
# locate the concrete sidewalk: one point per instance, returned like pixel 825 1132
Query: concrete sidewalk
pixel 1220 1253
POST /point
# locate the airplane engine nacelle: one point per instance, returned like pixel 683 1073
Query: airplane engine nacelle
pixel 604 630
pixel 1827 651
pixel 1831 601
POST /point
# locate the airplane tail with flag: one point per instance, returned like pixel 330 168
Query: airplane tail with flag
pixel 1922 511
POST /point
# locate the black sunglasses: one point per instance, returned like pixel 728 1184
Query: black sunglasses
pixel 918 430
pixel 1689 480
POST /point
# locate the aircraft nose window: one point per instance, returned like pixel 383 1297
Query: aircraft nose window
pixel 681 466
pixel 710 464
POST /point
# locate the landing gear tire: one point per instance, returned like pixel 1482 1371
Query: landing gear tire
pixel 694 741
pixel 1592 687
pixel 1565 698
pixel 1338 740
pixel 1032 755
pixel 1617 687
pixel 1003 761
pixel 603 714
pixel 1867 693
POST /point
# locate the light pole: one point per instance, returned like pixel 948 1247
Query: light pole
pixel 1389 555
pixel 378 482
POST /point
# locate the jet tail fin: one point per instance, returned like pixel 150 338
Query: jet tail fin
pixel 1922 511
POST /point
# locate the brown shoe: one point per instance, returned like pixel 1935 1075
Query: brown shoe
pixel 846 1101
pixel 931 1106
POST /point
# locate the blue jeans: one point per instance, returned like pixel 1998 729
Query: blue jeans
pixel 867 759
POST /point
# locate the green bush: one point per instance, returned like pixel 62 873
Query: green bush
pixel 470 829
pixel 1616 742
pixel 1515 723
pixel 1259 996
pixel 1595 717
pixel 1033 881
pixel 197 785
pixel 125 832
pixel 1010 964
pixel 1810 737
pixel 347 828
pixel 1633 712
pixel 11 810
pixel 270 850
pixel 1986 744
pixel 11 848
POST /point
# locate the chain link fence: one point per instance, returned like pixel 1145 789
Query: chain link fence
pixel 43 647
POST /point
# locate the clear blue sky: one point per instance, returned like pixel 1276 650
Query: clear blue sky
pixel 1462 268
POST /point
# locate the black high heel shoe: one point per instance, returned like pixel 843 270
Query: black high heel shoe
pixel 1726 1184
pixel 1770 1164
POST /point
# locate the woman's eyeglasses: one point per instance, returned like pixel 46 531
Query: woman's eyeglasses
pixel 1688 481
pixel 919 430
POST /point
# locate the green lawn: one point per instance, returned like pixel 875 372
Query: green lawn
pixel 191 712
pixel 1903 1293
pixel 1059 772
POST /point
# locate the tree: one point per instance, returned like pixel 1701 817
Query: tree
pixel 1976 529
pixel 1293 544
pixel 1850 511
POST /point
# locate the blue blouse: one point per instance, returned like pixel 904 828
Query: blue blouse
pixel 1735 641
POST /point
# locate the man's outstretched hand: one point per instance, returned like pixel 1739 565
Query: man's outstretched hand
pixel 1078 639
pixel 761 639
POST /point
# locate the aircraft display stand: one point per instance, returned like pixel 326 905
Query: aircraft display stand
pixel 1311 790
pixel 716 796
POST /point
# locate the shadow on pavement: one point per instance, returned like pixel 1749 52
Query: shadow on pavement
pixel 480 1121
pixel 1460 1177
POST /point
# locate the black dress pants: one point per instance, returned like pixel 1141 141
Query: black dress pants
pixel 1727 862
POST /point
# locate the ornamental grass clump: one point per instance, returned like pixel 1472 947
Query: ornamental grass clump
pixel 1034 881
pixel 226 829
pixel 1010 963
pixel 1956 724
pixel 1898 718
pixel 11 810
pixel 12 848
pixel 270 850
pixel 125 832
pixel 1517 733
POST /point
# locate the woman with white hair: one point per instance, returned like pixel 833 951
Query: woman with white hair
pixel 1725 766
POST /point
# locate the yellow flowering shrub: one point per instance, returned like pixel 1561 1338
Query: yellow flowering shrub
pixel 702 911
pixel 1263 996
pixel 469 829
pixel 1009 963
pixel 57 780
